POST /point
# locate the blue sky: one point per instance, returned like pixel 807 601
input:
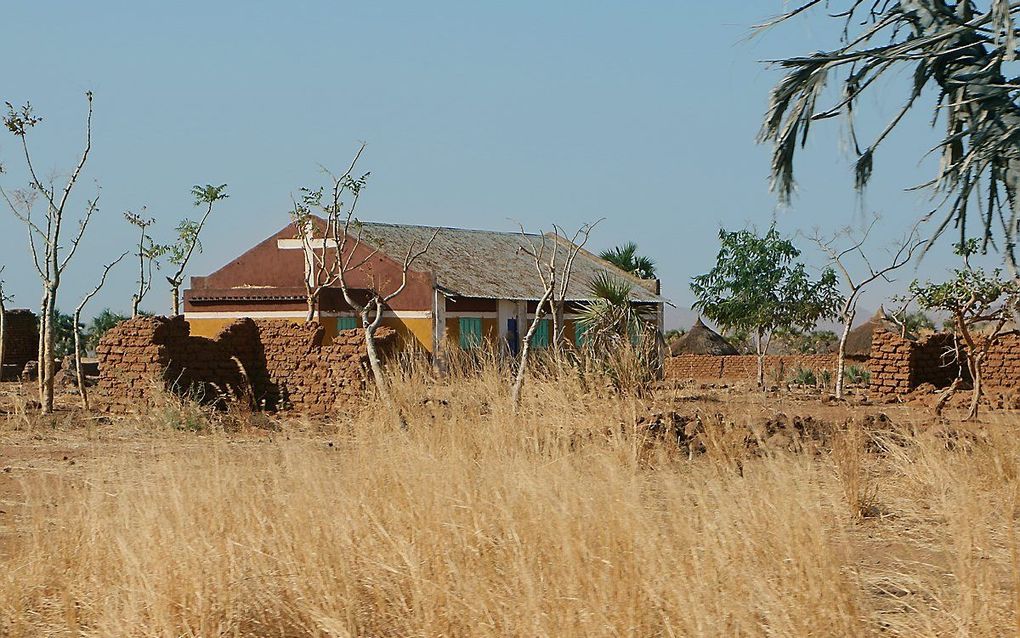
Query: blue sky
pixel 476 114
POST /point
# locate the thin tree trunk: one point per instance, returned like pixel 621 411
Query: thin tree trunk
pixel 975 372
pixel 3 330
pixel 49 358
pixel 841 355
pixel 310 315
pixel 40 350
pixel 761 362
pixel 175 290
pixel 378 375
pixel 79 369
pixel 522 369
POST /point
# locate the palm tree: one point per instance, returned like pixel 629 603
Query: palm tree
pixel 619 336
pixel 609 319
pixel 625 258
pixel 964 50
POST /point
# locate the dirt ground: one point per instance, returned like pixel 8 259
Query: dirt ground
pixel 893 544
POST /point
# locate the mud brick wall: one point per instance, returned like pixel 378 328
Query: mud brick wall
pixel 744 367
pixel 899 365
pixel 21 342
pixel 265 364
pixel 1002 366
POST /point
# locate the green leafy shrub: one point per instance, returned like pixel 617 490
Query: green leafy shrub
pixel 858 375
pixel 804 376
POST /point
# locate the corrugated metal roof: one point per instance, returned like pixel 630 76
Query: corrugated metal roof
pixel 491 264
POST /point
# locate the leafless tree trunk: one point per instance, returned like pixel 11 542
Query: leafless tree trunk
pixel 3 323
pixel 321 272
pixel 761 348
pixel 371 312
pixel 79 369
pixel 555 284
pixel 557 301
pixel 547 273
pixel 323 269
pixel 855 286
pixel 48 255
pixel 522 367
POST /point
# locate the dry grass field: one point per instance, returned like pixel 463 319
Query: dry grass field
pixel 573 518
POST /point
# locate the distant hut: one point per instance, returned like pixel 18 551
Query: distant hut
pixel 858 342
pixel 701 339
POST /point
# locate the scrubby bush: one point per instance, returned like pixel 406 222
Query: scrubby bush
pixel 858 375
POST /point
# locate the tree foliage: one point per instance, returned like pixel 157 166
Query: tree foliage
pixel 626 258
pixel 756 286
pixel 973 298
pixel 959 48
pixel 610 320
pixel 100 325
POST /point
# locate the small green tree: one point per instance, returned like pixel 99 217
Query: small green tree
pixel 63 335
pixel 179 252
pixel 974 299
pixel 626 258
pixel 797 341
pixel 148 253
pixel 756 286
pixel 99 326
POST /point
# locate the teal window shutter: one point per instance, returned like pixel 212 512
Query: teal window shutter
pixel 470 332
pixel 579 329
pixel 346 323
pixel 541 337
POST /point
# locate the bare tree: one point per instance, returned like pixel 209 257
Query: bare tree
pixel 554 277
pixel 846 261
pixel 558 300
pixel 545 264
pixel 188 232
pixel 51 254
pixel 79 369
pixel 958 48
pixel 3 321
pixel 321 263
pixel 148 252
pixel 343 252
pixel 371 309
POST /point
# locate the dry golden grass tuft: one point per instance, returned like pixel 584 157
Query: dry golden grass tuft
pixel 560 521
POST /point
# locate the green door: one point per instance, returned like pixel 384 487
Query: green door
pixel 470 332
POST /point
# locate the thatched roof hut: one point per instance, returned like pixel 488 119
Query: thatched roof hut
pixel 701 339
pixel 858 342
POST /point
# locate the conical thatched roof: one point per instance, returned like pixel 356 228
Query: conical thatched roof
pixel 701 339
pixel 858 342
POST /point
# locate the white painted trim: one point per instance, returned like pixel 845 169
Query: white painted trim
pixel 297 244
pixel 268 314
pixel 408 314
pixel 473 315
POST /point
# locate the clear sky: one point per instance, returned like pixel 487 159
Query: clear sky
pixel 475 113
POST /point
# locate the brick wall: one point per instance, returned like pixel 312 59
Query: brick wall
pixel 268 364
pixel 744 367
pixel 900 365
pixel 21 342
pixel 1002 367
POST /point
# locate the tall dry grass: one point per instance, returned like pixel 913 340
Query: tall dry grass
pixel 559 521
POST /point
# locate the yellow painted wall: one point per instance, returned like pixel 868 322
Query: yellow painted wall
pixel 419 330
pixel 208 327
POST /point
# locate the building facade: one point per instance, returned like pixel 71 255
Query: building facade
pixel 471 286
